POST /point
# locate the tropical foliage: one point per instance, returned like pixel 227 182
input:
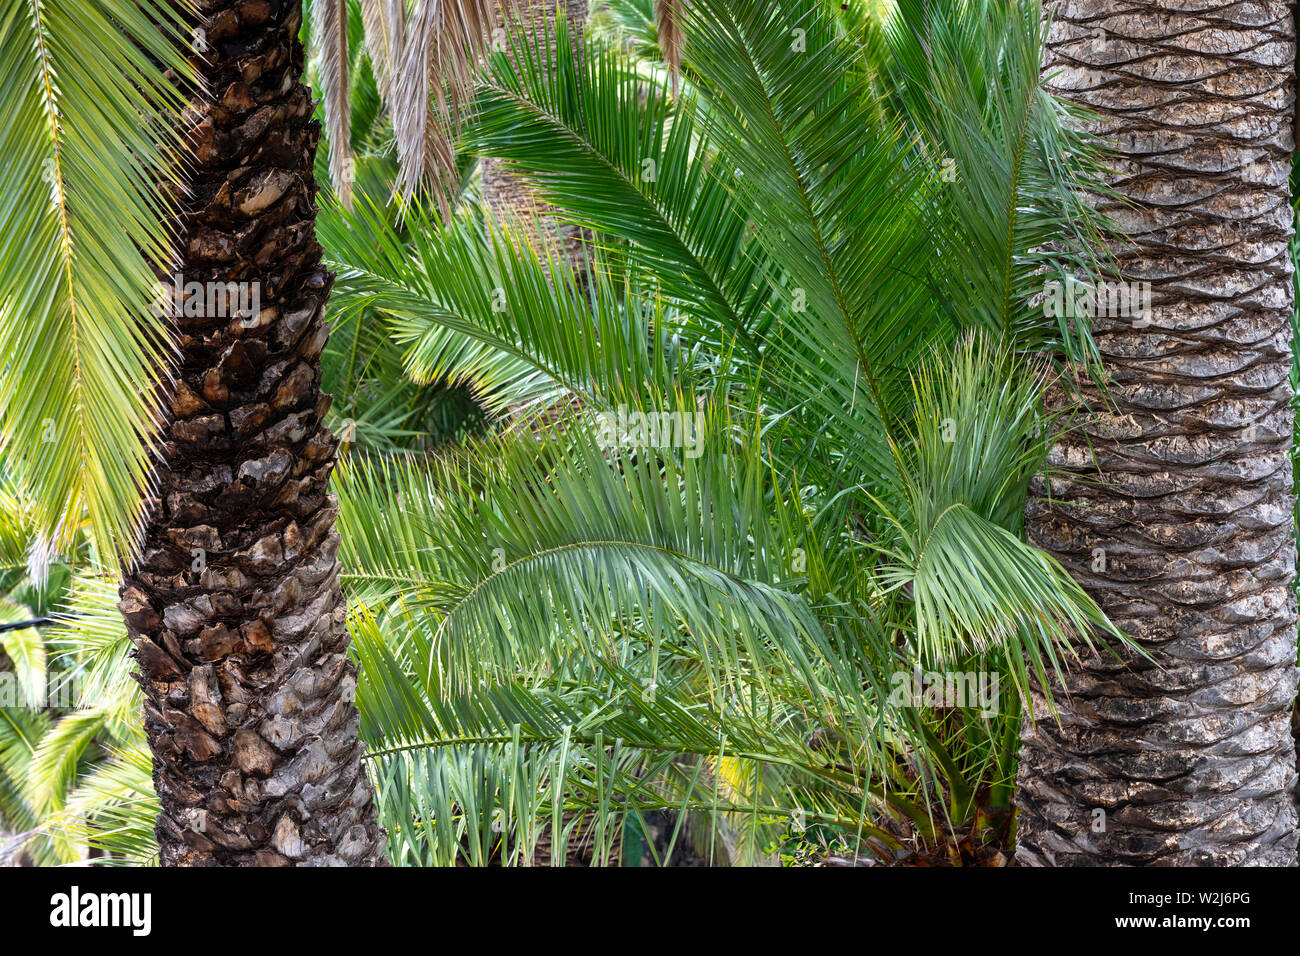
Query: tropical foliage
pixel 667 544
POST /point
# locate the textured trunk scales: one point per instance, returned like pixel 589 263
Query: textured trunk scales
pixel 1175 506
pixel 235 607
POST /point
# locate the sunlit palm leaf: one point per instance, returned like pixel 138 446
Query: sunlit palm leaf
pixel 86 132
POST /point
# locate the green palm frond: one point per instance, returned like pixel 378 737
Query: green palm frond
pixel 1013 212
pixel 509 549
pixel 485 308
pixel 89 141
pixel 975 586
pixel 57 761
pixel 21 728
pixel 88 642
pixel 112 811
pixel 622 159
pixel 377 407
pixel 98 707
pixel 633 741
pixel 842 223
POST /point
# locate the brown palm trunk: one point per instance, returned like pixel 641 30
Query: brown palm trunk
pixel 235 607
pixel 1175 510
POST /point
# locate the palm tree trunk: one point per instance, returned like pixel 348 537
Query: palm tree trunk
pixel 510 199
pixel 1174 506
pixel 235 606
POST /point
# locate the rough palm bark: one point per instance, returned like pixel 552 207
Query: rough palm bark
pixel 235 607
pixel 509 198
pixel 1174 506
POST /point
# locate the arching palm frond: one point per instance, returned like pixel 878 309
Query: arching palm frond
pixel 89 143
pixel 622 160
pixel 526 557
pixel 484 308
pixel 1016 168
